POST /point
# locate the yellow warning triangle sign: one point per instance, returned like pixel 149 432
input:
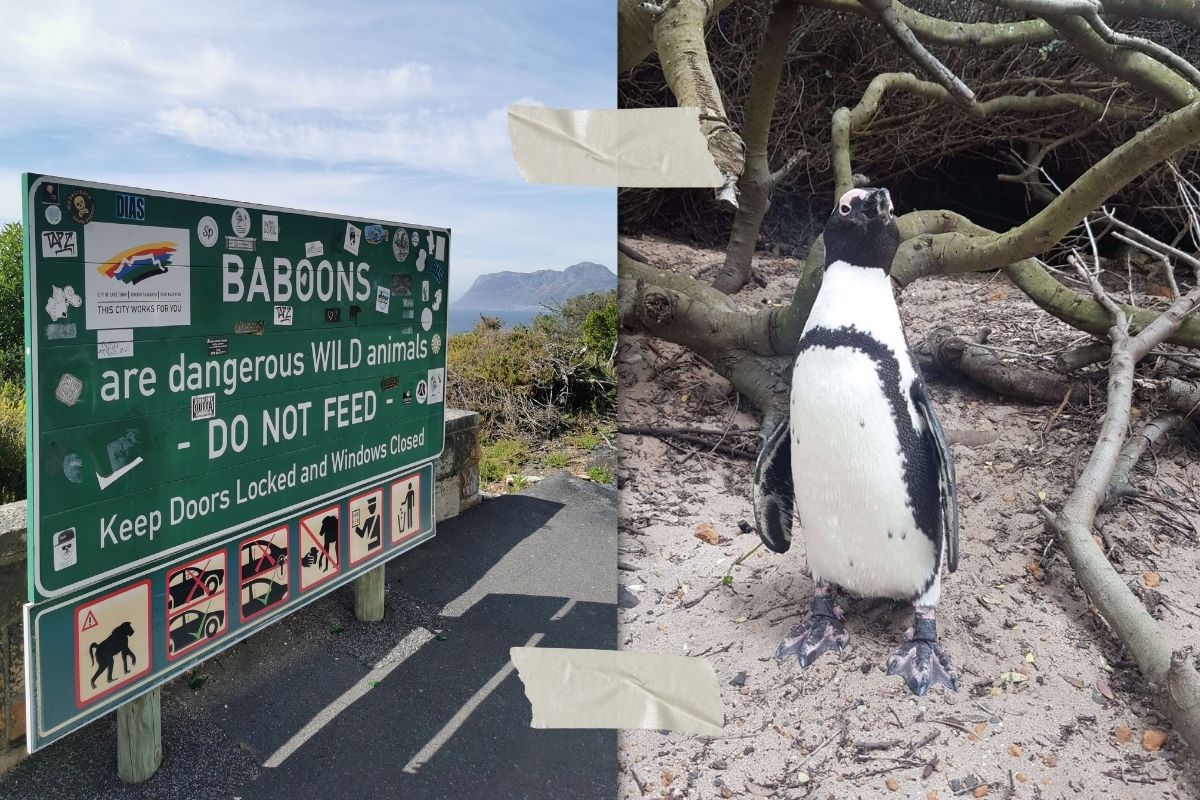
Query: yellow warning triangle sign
pixel 89 621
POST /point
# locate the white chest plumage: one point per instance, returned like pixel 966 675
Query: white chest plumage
pixel 847 461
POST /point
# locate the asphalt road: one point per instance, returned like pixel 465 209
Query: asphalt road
pixel 422 705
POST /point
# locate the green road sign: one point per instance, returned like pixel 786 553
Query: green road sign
pixel 91 652
pixel 199 371
pixel 199 367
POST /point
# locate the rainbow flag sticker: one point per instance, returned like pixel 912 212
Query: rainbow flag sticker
pixel 139 262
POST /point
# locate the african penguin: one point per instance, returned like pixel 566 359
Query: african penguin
pixel 862 459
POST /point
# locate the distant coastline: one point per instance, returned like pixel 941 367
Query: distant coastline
pixel 464 319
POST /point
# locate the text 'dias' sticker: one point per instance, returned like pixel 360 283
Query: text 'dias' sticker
pixel 636 147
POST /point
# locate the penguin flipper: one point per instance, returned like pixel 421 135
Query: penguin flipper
pixel 774 495
pixel 945 461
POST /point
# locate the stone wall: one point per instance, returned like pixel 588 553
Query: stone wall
pixel 457 489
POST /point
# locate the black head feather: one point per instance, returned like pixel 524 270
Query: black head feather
pixel 862 230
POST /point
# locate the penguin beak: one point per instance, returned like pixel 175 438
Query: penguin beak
pixel 877 203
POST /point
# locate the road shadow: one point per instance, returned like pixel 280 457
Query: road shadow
pixel 513 563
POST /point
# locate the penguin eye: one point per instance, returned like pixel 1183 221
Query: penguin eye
pixel 844 209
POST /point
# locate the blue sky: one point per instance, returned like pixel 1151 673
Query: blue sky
pixel 391 110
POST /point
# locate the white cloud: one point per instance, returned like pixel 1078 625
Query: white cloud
pixel 428 141
pixel 66 54
pixel 392 111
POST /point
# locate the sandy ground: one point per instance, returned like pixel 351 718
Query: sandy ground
pixel 843 728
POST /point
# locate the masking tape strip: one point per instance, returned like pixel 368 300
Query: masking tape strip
pixel 619 689
pixel 633 147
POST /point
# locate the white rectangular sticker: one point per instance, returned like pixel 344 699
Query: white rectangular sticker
pixel 283 315
pixel 313 249
pixel 60 244
pixel 353 238
pixel 437 385
pixel 65 552
pixel 439 249
pixel 204 406
pixel 137 276
pixel 270 228
pixel 383 299
pixel 114 343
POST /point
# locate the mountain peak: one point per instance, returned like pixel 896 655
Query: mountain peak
pixel 514 291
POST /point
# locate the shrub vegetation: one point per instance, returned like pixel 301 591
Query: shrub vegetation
pixel 12 366
pixel 539 381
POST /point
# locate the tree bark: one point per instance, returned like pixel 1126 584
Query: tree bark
pixel 635 30
pixel 679 40
pixel 679 309
pixel 757 181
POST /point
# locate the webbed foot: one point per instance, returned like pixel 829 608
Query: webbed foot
pixel 920 660
pixel 823 630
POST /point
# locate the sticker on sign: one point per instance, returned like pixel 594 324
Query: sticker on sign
pixel 204 406
pixel 59 244
pixel 136 276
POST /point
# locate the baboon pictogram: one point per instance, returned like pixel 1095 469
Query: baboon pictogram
pixel 104 653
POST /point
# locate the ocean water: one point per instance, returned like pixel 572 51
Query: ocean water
pixel 461 320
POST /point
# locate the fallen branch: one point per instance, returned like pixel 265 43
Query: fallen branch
pixel 1182 396
pixel 1165 668
pixel 697 438
pixel 1082 356
pixel 1120 487
pixel 982 366
pixel 680 309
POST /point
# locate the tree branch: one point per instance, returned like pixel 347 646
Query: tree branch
pixel 1155 144
pixel 679 39
pixel 700 319
pixel 935 30
pixel 907 40
pixel 847 121
pixel 1152 49
pixel 755 183
pixel 635 30
pixel 927 249
pixel 1139 69
pixel 1175 678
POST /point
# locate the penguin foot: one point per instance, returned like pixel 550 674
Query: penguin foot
pixel 824 630
pixel 921 661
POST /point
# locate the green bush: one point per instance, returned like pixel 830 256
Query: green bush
pixel 600 474
pixel 12 365
pixel 586 441
pixel 502 457
pixel 12 305
pixel 537 380
pixel 600 331
pixel 12 442
pixel 556 460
